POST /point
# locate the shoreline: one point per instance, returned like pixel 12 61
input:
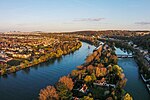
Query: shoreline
pixel 31 64
pixel 136 60
pixel 86 75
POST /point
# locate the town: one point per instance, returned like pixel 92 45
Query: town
pixel 21 51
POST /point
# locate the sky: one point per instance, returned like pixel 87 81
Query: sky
pixel 74 15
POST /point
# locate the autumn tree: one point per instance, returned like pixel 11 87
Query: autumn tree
pixel 93 76
pixel 35 61
pixel 63 91
pixel 109 98
pixel 89 58
pixel 80 67
pixel 67 81
pixel 12 69
pixel 98 73
pixel 88 78
pixel 74 73
pixel 127 97
pixel 90 69
pixel 59 52
pixel 49 93
pixel 122 83
pixel 3 71
pixel 113 59
pixel 116 69
pixel 87 98
pixel 95 53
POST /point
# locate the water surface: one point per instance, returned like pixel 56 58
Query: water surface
pixel 26 84
pixel 135 86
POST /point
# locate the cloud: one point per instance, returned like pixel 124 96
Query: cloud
pixel 143 23
pixel 89 19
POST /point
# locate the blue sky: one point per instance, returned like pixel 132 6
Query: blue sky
pixel 72 15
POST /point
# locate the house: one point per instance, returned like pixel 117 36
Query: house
pixel 84 89
pixel 101 82
pixel 21 55
pixel 147 57
pixel 130 43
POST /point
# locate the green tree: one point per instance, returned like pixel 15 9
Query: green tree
pixel 63 92
pixel 26 63
pixel 93 77
pixel 87 98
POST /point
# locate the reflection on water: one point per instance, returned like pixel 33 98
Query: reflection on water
pixel 25 71
pixel 26 84
pixel 135 86
pixel 123 51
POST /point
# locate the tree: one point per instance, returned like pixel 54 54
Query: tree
pixel 90 69
pixel 22 65
pixel 3 71
pixel 67 81
pixel 87 98
pixel 109 98
pixel 63 91
pixel 74 73
pixel 113 59
pixel 26 62
pixel 98 72
pixel 95 53
pixel 80 67
pixel 127 97
pixel 12 69
pixel 89 58
pixel 118 70
pixel 49 93
pixel 88 78
pixel 59 53
pixel 93 77
pixel 35 61
pixel 106 60
pixel 122 83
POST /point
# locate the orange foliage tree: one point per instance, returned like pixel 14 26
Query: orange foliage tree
pixel 67 82
pixel 49 93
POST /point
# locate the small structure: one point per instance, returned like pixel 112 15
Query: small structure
pixel 148 87
pixel 84 89
pixel 124 56
pixel 102 82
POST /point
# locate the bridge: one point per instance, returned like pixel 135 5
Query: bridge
pixel 125 56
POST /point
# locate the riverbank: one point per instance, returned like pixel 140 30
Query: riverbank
pixel 143 65
pixel 99 68
pixel 42 59
pixel 135 85
pixel 26 84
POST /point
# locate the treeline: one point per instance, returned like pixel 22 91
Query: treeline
pixel 54 51
pixel 139 58
pixel 98 78
pixel 141 41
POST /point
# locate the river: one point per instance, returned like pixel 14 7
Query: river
pixel 135 85
pixel 26 84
